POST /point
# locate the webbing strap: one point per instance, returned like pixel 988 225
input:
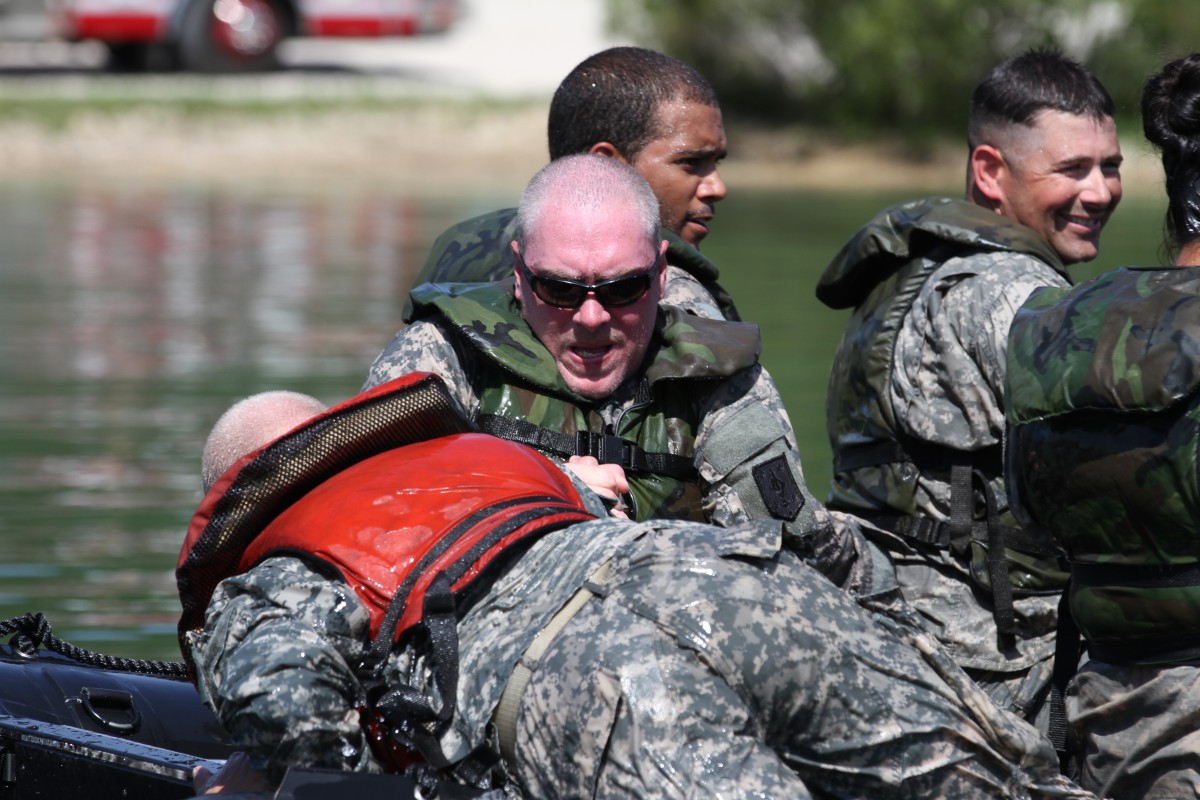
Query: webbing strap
pixel 1002 593
pixel 963 528
pixel 413 721
pixel 927 457
pixel 510 700
pixel 1067 647
pixel 962 505
pixel 605 448
pixel 1172 576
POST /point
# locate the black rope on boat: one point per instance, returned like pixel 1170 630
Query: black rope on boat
pixel 33 630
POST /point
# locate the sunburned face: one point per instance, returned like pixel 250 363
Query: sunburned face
pixel 681 167
pixel 595 347
pixel 1062 177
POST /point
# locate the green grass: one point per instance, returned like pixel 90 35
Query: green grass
pixel 53 104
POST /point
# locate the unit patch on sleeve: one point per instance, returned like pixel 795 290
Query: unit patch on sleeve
pixel 778 488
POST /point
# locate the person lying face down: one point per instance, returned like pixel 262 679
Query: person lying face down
pixel 684 659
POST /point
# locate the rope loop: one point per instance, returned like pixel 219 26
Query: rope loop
pixel 32 631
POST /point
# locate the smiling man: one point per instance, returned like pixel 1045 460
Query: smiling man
pixel 915 409
pixel 656 114
pixel 578 358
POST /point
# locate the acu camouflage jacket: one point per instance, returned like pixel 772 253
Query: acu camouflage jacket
pixel 881 463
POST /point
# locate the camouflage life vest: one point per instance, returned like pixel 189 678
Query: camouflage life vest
pixel 523 397
pixel 476 251
pixel 880 273
pixel 1104 416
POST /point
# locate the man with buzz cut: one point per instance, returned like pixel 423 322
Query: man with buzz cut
pixel 915 409
pixel 579 356
pixel 656 114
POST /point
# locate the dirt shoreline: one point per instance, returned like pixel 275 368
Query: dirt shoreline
pixel 432 148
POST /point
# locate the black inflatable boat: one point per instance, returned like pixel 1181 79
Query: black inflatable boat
pixel 78 724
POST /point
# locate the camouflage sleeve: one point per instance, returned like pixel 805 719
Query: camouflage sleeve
pixel 750 470
pixel 423 347
pixel 274 663
pixel 685 292
pixel 949 381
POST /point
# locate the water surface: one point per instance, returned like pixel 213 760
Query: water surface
pixel 131 318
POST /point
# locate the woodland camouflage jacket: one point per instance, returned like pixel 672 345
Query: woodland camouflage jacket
pixel 1104 412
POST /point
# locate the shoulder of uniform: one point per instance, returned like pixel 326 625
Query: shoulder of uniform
pixel 1123 340
pixel 936 228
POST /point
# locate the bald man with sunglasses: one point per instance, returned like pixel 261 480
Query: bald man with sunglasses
pixel 574 355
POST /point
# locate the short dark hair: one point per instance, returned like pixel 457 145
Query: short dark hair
pixel 614 96
pixel 1171 122
pixel 1037 80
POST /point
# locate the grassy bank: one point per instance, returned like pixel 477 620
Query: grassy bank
pixel 322 131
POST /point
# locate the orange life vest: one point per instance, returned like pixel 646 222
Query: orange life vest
pixel 394 490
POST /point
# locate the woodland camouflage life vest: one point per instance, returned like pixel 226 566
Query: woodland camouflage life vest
pixel 390 491
pixel 1104 416
pixel 523 397
pixel 880 273
pixel 477 250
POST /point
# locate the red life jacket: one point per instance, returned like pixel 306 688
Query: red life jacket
pixel 393 490
pixel 389 488
pixel 397 519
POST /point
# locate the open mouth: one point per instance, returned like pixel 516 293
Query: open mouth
pixel 1086 225
pixel 592 353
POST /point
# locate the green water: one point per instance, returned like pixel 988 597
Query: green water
pixel 130 319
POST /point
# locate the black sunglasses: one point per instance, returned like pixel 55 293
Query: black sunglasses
pixel 566 293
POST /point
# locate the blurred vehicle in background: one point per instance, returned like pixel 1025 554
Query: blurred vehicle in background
pixel 214 35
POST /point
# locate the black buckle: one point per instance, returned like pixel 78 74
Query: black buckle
pixel 924 530
pixel 604 447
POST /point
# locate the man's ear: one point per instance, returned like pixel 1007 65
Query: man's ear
pixel 608 150
pixel 988 169
pixel 516 251
pixel 662 268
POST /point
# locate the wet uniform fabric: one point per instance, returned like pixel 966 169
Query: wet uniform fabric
pixel 752 676
pixel 934 285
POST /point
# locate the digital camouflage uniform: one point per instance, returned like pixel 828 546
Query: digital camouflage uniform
pixel 916 389
pixel 477 251
pixel 751 677
pixel 1105 415
pixel 727 418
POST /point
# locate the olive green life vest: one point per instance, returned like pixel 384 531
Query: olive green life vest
pixel 880 272
pixel 1104 416
pixel 523 397
pixel 477 250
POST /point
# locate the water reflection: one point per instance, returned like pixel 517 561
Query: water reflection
pixel 129 319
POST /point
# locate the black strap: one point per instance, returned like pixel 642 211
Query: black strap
pixel 927 457
pixel 1143 576
pixel 922 529
pixel 605 448
pixel 962 529
pixel 962 504
pixel 1067 649
pixel 411 719
pixel 1002 593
